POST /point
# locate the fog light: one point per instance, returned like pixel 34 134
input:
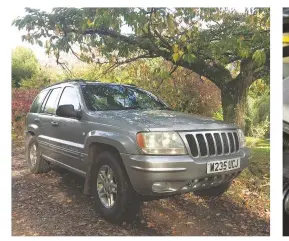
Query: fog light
pixel 161 187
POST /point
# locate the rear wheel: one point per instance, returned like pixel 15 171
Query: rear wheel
pixel 214 191
pixel 115 198
pixel 35 162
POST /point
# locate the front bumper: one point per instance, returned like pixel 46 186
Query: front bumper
pixel 167 175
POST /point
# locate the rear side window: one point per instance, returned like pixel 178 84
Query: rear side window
pixel 38 101
pixel 50 106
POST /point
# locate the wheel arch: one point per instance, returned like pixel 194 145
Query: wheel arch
pixel 94 148
pixel 32 129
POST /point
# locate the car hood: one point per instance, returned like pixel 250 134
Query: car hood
pixel 159 120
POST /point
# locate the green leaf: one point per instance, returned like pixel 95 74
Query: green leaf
pixel 95 21
pixel 185 57
pixel 245 52
pixel 176 57
pixel 171 23
pixel 146 28
pixel 40 43
pixel 191 58
pixel 190 48
pixel 259 57
pixel 175 48
pixel 183 38
pixel 181 53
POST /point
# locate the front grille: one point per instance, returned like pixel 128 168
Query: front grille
pixel 213 143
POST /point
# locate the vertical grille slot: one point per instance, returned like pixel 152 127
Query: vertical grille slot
pixel 193 145
pixel 225 143
pixel 218 143
pixel 236 141
pixel 211 144
pixel 202 145
pixel 232 143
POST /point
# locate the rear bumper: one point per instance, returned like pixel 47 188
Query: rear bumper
pixel 167 175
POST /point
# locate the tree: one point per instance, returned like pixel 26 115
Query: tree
pixel 228 47
pixel 183 90
pixel 24 65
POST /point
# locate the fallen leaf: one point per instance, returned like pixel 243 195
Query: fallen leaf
pixel 150 225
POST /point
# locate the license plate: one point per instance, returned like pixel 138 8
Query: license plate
pixel 223 166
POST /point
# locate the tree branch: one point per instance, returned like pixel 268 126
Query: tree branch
pixel 174 68
pixel 117 64
pixel 163 39
pixel 212 72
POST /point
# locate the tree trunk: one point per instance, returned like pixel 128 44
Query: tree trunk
pixel 234 105
pixel 234 94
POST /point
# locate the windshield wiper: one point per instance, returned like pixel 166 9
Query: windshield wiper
pixel 127 108
pixel 132 108
pixel 165 108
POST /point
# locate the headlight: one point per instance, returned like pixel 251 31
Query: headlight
pixel 242 138
pixel 161 143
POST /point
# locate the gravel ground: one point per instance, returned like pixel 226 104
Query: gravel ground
pixel 54 204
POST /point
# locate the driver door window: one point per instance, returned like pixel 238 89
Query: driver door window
pixel 69 97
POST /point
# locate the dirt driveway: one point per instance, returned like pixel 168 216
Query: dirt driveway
pixel 53 204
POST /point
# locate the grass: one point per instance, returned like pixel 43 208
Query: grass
pixel 253 184
pixel 259 165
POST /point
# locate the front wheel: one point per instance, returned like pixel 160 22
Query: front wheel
pixel 214 191
pixel 115 198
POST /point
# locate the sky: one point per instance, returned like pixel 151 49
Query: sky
pixel 16 38
pixel 39 51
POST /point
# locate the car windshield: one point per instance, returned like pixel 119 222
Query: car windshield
pixel 119 97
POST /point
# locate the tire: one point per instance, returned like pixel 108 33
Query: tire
pixel 214 191
pixel 127 203
pixel 37 165
pixel 285 224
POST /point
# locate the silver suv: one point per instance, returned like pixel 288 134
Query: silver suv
pixel 129 145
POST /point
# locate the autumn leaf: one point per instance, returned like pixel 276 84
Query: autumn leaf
pixel 150 225
pixel 89 22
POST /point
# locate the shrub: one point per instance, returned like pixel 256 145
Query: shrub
pixel 21 102
pixel 218 115
pixel 257 110
pixel 261 129
pixel 24 65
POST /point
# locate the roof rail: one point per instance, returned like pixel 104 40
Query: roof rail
pixel 84 81
pixel 132 85
pixel 67 81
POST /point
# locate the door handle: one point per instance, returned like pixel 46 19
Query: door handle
pixel 54 123
pixel 37 120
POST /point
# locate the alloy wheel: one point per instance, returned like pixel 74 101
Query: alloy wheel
pixel 33 154
pixel 106 186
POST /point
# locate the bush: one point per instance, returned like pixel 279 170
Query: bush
pixel 261 129
pixel 21 102
pixel 24 65
pixel 218 115
pixel 257 110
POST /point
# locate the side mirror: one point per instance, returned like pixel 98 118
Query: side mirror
pixel 67 111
